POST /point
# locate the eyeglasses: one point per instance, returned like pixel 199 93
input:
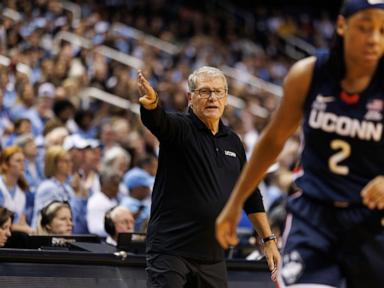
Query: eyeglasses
pixel 205 93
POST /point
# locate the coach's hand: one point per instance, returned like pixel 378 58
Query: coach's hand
pixel 148 96
pixel 272 255
pixel 373 193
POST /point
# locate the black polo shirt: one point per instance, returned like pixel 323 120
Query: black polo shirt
pixel 196 174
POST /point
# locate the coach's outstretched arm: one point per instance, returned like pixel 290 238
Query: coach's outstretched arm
pixel 162 125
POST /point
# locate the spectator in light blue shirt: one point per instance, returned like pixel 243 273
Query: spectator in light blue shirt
pixel 42 111
pixel 33 170
pixel 57 168
pixel 139 183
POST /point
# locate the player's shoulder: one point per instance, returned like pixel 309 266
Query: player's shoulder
pixel 303 66
pixel 300 76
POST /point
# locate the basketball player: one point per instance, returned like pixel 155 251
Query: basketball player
pixel 334 230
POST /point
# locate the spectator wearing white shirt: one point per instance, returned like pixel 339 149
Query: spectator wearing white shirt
pixel 100 202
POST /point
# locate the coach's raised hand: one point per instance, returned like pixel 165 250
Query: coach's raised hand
pixel 148 96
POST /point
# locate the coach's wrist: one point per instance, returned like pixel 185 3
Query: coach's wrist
pixel 270 238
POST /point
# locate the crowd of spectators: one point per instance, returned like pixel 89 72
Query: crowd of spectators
pixel 57 146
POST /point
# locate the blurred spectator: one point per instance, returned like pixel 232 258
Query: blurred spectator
pixel 21 126
pixel 33 170
pixel 108 136
pixel 55 219
pixel 55 137
pixel 117 158
pixel 121 129
pixel 5 225
pixel 64 111
pixel 140 183
pixel 41 112
pixel 57 169
pixel 148 163
pixel 84 124
pixel 6 125
pixel 26 100
pixel 13 186
pixel 118 220
pixel 75 146
pixel 90 166
pixel 100 202
pixel 136 144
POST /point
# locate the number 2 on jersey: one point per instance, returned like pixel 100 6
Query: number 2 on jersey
pixel 335 159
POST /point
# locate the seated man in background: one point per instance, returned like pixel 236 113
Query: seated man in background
pixel 117 220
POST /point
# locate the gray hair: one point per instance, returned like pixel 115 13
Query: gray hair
pixel 114 153
pixel 205 70
pixel 117 210
pixel 107 173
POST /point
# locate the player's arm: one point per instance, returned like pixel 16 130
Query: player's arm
pixel 284 123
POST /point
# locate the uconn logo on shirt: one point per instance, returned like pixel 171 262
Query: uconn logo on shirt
pixel 363 129
pixel 230 153
pixel 346 126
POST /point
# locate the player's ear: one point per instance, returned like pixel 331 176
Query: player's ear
pixel 340 25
